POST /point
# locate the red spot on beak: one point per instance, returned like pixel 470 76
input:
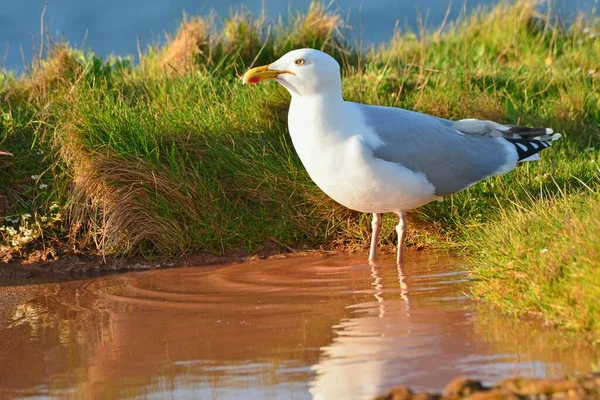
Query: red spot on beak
pixel 253 80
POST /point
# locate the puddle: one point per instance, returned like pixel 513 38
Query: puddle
pixel 325 327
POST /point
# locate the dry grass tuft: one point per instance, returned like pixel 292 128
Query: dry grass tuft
pixel 60 69
pixel 190 45
pixel 245 39
pixel 242 36
pixel 318 28
pixel 116 202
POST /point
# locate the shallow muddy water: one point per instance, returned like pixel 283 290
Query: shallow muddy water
pixel 327 327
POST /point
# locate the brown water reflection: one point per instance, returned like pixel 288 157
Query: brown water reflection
pixel 320 326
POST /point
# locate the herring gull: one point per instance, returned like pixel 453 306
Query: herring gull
pixel 378 159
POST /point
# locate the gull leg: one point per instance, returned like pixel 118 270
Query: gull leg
pixel 376 225
pixel 401 230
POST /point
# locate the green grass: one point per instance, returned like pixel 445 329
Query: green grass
pixel 544 258
pixel 172 155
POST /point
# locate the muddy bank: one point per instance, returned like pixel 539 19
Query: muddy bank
pixel 44 263
pixel 62 260
pixel 581 387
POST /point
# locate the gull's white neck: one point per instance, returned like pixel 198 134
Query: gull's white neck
pixel 325 131
pixel 318 118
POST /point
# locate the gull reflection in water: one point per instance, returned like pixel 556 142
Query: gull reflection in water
pixel 377 284
pixel 353 365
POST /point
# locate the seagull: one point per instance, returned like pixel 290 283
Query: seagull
pixel 376 159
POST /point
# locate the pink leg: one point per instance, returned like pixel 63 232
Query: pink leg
pixel 376 225
pixel 401 230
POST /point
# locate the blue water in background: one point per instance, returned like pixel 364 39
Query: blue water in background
pixel 115 26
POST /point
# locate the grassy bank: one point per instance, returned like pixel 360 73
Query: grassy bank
pixel 171 155
pixel 544 258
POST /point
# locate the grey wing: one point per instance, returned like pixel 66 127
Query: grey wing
pixel 451 160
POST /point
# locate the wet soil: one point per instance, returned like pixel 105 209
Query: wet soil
pixel 49 262
pixel 580 387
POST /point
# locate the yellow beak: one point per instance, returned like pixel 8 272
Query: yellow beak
pixel 259 74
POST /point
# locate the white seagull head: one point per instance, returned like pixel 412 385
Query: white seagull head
pixel 303 72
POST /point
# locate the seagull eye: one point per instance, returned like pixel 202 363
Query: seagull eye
pixel 300 61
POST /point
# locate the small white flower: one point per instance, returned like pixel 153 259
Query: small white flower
pixel 35 177
pixel 43 186
pixel 40 152
pixel 44 218
pixel 11 231
pixel 544 250
pixel 26 216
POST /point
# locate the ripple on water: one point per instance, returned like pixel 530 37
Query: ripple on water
pixel 299 327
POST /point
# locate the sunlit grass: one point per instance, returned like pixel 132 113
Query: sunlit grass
pixel 543 258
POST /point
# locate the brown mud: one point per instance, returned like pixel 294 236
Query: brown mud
pixel 581 387
pixel 48 262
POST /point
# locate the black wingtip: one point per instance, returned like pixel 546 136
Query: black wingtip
pixel 528 147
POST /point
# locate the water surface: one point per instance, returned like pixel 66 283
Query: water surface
pixel 118 27
pixel 319 326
